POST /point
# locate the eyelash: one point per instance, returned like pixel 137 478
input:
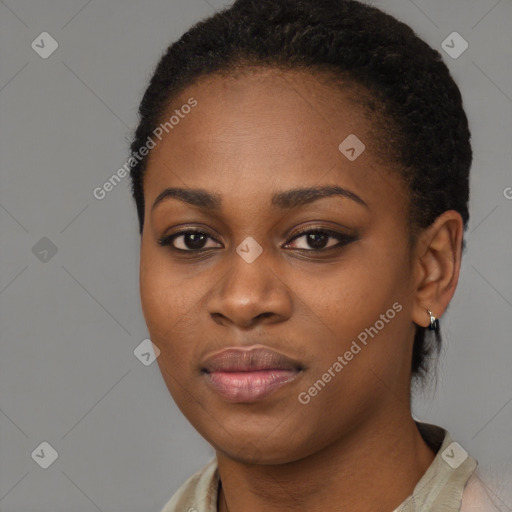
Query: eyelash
pixel 343 239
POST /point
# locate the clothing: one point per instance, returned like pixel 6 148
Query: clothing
pixel 449 483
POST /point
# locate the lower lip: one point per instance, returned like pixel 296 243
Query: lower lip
pixel 249 386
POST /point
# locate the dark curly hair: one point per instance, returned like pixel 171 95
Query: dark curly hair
pixel 404 87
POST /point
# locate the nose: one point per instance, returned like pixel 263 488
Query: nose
pixel 250 293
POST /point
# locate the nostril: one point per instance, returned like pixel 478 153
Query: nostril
pixel 264 315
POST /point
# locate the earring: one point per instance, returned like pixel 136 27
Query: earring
pixel 434 322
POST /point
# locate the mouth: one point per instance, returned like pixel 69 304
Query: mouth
pixel 247 375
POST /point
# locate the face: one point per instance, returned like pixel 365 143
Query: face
pixel 282 315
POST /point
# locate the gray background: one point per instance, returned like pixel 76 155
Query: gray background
pixel 70 321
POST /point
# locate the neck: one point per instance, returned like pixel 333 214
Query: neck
pixel 373 469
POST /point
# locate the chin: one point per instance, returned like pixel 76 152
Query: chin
pixel 261 455
pixel 253 445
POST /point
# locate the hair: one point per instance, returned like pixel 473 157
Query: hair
pixel 404 86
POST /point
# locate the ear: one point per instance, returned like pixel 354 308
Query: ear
pixel 436 266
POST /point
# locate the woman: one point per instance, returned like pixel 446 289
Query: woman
pixel 301 173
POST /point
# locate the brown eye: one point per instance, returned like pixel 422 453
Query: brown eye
pixel 318 239
pixel 186 241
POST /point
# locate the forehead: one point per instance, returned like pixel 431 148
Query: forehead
pixel 265 129
pixel 281 110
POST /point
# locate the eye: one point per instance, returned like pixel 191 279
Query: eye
pixel 317 239
pixel 191 240
pixel 314 240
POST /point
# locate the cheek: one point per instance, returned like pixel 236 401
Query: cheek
pixel 152 289
pixel 351 295
pixel 361 300
pixel 165 298
pixel 167 316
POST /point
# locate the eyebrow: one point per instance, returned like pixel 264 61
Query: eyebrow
pixel 286 200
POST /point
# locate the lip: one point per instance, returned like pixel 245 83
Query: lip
pixel 247 375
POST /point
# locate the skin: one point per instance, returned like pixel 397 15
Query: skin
pixel 355 442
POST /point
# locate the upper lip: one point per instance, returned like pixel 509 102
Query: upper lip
pixel 237 359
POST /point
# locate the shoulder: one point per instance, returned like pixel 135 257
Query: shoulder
pixel 198 493
pixel 477 497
